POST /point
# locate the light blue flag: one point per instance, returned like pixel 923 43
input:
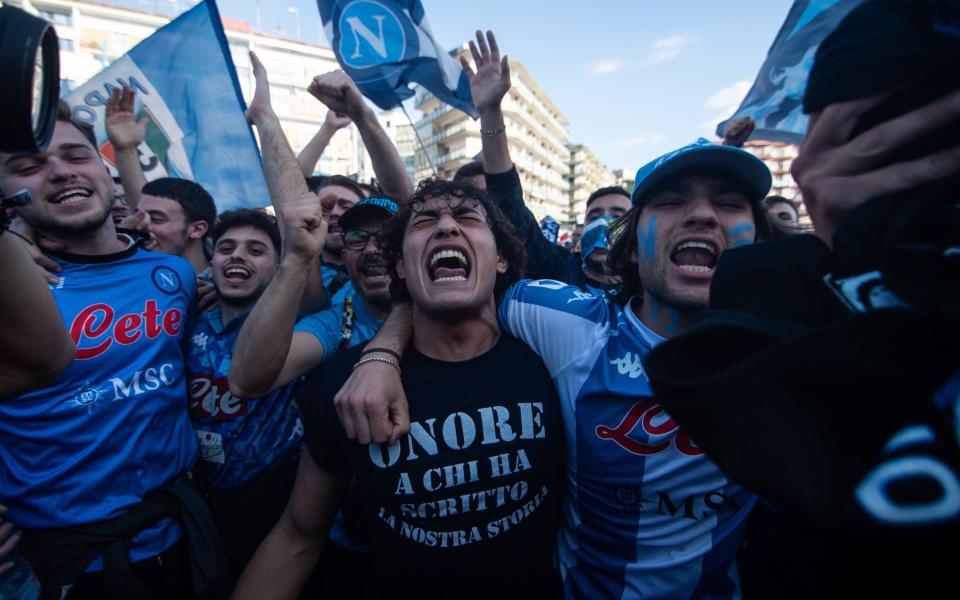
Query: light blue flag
pixel 776 99
pixel 550 229
pixel 385 45
pixel 187 85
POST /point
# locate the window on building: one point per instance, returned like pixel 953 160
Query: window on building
pixel 119 43
pixel 65 44
pixel 57 18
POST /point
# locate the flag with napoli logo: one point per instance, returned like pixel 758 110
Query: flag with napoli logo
pixel 187 85
pixel 775 101
pixel 385 45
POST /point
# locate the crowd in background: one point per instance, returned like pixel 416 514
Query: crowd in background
pixel 397 389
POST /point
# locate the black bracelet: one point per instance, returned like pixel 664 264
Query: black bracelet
pixel 19 235
pixel 384 350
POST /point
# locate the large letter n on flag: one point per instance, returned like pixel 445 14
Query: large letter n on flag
pixel 385 45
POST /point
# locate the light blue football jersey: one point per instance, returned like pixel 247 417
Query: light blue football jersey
pixel 647 514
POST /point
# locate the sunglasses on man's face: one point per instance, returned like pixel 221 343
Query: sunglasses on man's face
pixel 356 239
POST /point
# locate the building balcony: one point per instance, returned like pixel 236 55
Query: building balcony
pixel 451 131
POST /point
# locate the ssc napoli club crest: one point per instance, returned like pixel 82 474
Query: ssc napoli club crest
pixel 371 35
pixel 167 280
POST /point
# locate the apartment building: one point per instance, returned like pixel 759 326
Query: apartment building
pixel 537 134
pixel 94 34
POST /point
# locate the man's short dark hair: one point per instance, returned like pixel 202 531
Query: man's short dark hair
pixel 606 191
pixel 316 183
pixel 509 246
pixel 248 217
pixel 471 169
pixel 196 202
pixel 370 189
pixel 65 115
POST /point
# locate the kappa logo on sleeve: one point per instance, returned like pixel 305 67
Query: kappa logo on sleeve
pixel 631 365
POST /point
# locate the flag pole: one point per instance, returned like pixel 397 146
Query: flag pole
pixel 419 141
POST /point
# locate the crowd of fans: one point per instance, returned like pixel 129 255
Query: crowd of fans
pixel 389 390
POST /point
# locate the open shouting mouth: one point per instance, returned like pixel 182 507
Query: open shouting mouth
pixel 695 256
pixel 448 264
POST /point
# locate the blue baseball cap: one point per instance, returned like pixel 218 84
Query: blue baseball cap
pixel 707 156
pixel 372 206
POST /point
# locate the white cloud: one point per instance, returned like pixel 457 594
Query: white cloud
pixel 668 48
pixel 729 97
pixel 606 66
pixel 653 137
pixel 723 103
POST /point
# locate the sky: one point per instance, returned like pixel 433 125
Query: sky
pixel 634 78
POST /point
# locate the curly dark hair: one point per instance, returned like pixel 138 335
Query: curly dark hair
pixel 248 217
pixel 508 243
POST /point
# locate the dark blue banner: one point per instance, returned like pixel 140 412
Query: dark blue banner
pixel 775 101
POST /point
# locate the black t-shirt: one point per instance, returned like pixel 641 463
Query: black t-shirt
pixel 467 504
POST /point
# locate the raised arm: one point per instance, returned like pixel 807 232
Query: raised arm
pixel 268 354
pixel 312 152
pixel 289 553
pixel 371 404
pixel 34 344
pixel 126 134
pixel 284 176
pixel 340 94
pixel 489 84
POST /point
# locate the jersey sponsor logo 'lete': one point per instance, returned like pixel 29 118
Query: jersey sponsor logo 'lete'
pixel 212 398
pixel 97 327
pixel 645 413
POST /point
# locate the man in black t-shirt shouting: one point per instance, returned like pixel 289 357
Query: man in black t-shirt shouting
pixel 467 503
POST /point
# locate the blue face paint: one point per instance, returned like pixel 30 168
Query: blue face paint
pixel 654 308
pixel 648 241
pixel 740 231
pixel 671 316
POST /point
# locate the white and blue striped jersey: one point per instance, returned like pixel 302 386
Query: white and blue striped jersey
pixel 647 514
